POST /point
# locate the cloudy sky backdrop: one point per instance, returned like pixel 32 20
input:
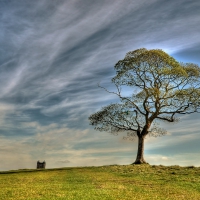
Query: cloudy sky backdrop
pixel 53 54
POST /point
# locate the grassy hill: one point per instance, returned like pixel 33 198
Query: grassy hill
pixel 127 182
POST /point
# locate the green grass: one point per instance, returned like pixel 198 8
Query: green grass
pixel 106 182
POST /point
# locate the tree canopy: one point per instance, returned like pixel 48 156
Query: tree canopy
pixel 165 87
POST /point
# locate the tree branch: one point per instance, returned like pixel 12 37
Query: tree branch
pixel 119 95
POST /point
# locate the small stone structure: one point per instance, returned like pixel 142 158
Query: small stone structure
pixel 41 165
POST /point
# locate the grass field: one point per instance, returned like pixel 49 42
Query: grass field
pixel 127 182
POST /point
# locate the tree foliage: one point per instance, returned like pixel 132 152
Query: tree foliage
pixel 116 118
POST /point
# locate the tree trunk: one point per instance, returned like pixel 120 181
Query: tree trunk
pixel 140 152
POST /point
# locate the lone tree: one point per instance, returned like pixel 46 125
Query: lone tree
pixel 165 88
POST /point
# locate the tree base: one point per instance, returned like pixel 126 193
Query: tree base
pixel 140 162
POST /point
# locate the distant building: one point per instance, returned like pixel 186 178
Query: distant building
pixel 41 165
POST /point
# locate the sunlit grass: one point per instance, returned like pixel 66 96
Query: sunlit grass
pixel 99 183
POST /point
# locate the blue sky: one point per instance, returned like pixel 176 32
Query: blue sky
pixel 52 56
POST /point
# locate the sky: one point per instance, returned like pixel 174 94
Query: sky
pixel 52 56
